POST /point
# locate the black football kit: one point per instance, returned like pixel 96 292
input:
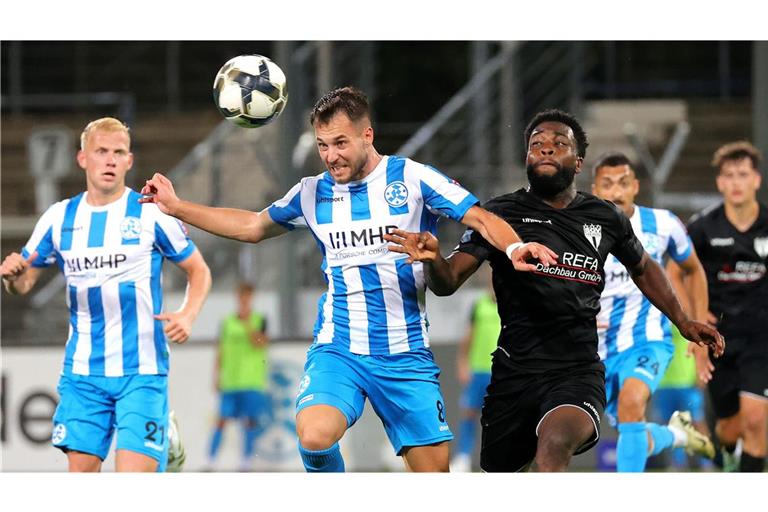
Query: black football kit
pixel 735 264
pixel 547 352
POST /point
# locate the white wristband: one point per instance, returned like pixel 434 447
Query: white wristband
pixel 512 247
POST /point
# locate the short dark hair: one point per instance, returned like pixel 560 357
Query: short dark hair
pixel 245 287
pixel 350 100
pixel 559 116
pixel 736 151
pixel 611 159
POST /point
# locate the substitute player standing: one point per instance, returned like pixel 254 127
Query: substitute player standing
pixel 370 338
pixel 732 241
pixel 634 338
pixel 110 249
pixel 547 388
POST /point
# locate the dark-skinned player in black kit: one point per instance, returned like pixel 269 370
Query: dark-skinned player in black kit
pixel 547 389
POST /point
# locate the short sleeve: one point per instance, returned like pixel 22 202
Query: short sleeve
pixel 627 249
pixel 679 246
pixel 445 196
pixel 41 239
pixel 171 238
pixel 696 233
pixel 287 211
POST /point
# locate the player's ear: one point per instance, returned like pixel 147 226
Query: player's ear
pixel 130 161
pixel 368 135
pixel 81 159
pixel 579 164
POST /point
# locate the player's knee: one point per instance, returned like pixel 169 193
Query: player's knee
pixel 313 438
pixel 82 463
pixel 754 423
pixel 631 407
pixel 555 449
pixel 728 430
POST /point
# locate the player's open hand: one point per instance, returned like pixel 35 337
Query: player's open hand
pixel 178 326
pixel 14 265
pixel 704 366
pixel 418 246
pixel 532 250
pixel 703 335
pixel 159 190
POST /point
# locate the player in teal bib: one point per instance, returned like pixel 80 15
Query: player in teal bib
pixel 242 375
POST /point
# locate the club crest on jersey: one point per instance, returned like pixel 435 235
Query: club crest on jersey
pixel 594 233
pixel 59 433
pixel 396 194
pixel 130 228
pixel 761 246
pixel 304 384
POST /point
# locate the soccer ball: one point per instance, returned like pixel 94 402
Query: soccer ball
pixel 250 90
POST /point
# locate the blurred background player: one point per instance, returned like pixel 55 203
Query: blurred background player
pixel 242 376
pixel 473 364
pixel 679 390
pixel 110 249
pixel 732 241
pixel 370 338
pixel 635 340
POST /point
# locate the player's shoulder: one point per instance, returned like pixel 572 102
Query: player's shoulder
pixel 665 219
pixel 595 205
pixel 57 211
pixel 506 201
pixel 707 215
pixel 324 175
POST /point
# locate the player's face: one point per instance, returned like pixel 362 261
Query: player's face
pixel 106 160
pixel 617 184
pixel 343 146
pixel 552 160
pixel 738 181
pixel 244 301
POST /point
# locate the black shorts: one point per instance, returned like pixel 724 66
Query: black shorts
pixel 743 368
pixel 516 403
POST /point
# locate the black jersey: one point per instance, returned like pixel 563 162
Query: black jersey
pixel 548 316
pixel 735 264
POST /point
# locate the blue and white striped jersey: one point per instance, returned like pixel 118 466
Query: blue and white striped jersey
pixel 111 257
pixel 375 301
pixel 630 317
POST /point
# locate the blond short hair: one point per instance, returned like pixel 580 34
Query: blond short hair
pixel 105 124
pixel 736 151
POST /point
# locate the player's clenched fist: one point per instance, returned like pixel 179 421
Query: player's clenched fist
pixel 159 190
pixel 14 265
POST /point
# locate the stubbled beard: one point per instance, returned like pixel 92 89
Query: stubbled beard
pixel 550 185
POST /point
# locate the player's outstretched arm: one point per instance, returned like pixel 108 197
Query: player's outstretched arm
pixel 501 235
pixel 242 225
pixel 19 276
pixel 444 276
pixel 178 325
pixel 690 284
pixel 653 282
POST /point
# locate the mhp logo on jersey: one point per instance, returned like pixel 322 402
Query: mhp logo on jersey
pixel 396 193
pixel 130 228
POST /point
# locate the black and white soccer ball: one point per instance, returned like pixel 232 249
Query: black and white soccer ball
pixel 250 90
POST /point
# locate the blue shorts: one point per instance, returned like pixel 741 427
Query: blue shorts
pixel 91 408
pixel 249 404
pixel 474 392
pixel 668 400
pixel 403 389
pixel 647 362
